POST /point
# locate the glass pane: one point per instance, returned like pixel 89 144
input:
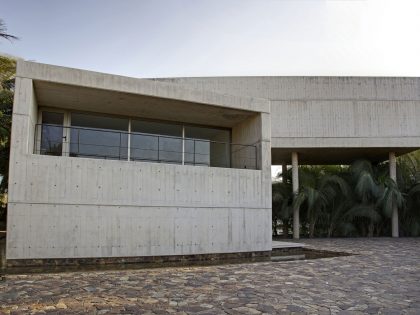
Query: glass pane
pixel 189 151
pixel 52 118
pixel 98 143
pixel 144 147
pixel 52 133
pixel 170 150
pixel 197 152
pixel 156 128
pixel 156 141
pixel 213 152
pixel 94 136
pixel 100 122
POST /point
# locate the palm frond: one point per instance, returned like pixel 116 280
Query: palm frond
pixel 366 187
pixel 360 166
pixel 364 211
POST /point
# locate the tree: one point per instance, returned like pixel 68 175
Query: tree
pixel 408 178
pixel 7 73
pixel 3 32
pixel 317 192
pixel 352 201
pixel 282 203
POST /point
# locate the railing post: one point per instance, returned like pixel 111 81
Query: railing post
pixel 66 135
pixel 119 149
pixel 129 140
pixel 78 142
pixel 158 148
pixel 183 144
pixel 232 156
pixel 193 152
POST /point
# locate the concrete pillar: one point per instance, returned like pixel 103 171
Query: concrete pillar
pixel 295 181
pixel 393 175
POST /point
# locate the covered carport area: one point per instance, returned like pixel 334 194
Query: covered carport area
pixel 293 157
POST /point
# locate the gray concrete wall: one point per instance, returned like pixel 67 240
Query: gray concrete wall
pixel 64 207
pixel 76 207
pixel 317 112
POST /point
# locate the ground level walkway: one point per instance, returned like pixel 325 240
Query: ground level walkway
pixel 383 278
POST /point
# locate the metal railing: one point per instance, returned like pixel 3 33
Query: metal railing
pixel 133 146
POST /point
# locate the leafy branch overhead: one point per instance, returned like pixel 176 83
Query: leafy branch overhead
pixel 3 32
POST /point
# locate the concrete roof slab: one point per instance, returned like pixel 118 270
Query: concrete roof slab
pixel 151 88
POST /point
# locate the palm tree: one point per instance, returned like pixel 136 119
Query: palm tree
pixel 3 32
pixel 282 206
pixel 317 192
pixel 376 194
pixel 336 215
pixel 411 214
pixel 408 177
pixel 365 211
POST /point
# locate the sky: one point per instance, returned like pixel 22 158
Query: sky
pixel 176 38
pixel 159 38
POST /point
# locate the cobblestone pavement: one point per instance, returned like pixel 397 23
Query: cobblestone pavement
pixel 384 278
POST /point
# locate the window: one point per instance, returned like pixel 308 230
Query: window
pixel 52 133
pixel 107 137
pixel 156 141
pixel 98 136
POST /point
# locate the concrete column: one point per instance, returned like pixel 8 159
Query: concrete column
pixel 295 181
pixel 393 175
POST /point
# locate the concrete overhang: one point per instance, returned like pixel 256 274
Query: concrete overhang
pixel 334 156
pixel 82 90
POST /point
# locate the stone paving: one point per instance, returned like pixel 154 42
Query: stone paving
pixel 383 278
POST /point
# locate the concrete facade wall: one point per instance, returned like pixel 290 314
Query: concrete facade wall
pixel 316 112
pixel 66 207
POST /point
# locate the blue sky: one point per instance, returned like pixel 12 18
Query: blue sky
pixel 159 38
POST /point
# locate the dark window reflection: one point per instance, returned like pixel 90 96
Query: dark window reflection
pixel 98 143
pixel 52 133
pixel 156 141
pixel 99 136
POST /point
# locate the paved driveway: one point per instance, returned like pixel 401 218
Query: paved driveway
pixel 384 278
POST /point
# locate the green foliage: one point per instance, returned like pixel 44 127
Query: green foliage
pixel 7 73
pixel 353 201
pixel 282 205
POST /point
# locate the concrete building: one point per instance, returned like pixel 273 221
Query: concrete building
pixel 104 166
